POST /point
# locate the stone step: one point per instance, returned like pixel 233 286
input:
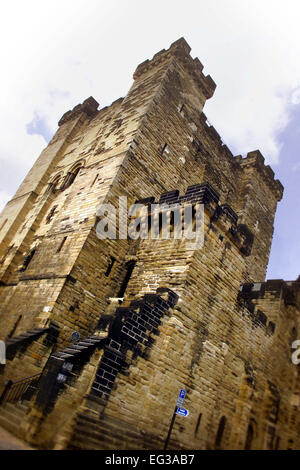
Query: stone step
pixel 88 425
pixel 9 425
pixel 89 440
pixel 113 428
pixel 19 405
pixel 14 415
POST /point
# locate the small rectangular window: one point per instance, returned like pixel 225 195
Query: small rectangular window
pixel 61 244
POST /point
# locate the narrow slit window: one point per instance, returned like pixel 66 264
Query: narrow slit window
pixel 249 437
pixel 27 260
pixel 198 152
pixel 61 244
pixel 110 266
pixel 130 267
pixel 220 431
pixel 198 424
pixel 95 179
pixel 14 327
pixel 165 150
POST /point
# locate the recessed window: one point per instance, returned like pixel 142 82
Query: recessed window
pixel 50 215
pixel 94 181
pixel 220 431
pixel 165 151
pixel 61 244
pixel 198 424
pixel 70 178
pixel 181 109
pixel 129 269
pixel 27 260
pixel 110 265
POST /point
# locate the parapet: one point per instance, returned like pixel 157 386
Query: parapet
pixel 278 289
pixel 181 51
pixel 89 107
pixel 203 193
pixel 256 160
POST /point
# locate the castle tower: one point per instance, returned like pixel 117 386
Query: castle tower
pixel 152 315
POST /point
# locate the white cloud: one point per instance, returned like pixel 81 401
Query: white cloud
pixel 60 52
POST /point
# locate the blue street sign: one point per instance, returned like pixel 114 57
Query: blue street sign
pixel 180 398
pixel 182 412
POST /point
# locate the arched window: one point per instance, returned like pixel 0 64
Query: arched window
pixel 70 177
pixel 53 185
pixel 220 431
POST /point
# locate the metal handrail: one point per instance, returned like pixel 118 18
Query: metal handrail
pixel 14 391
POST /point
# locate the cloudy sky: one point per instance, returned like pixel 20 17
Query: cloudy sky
pixel 55 54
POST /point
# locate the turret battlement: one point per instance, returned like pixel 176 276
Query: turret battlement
pixel 256 160
pixel 89 107
pixel 278 289
pixel 181 51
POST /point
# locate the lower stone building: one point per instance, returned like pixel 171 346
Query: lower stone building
pixel 101 332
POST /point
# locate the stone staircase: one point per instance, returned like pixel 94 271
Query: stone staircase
pixel 94 433
pixel 12 415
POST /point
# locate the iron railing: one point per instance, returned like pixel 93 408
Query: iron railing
pixel 20 390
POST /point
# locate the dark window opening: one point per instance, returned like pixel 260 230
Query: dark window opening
pixel 249 437
pixel 96 177
pixel 14 327
pixel 27 260
pixel 130 267
pixel 61 244
pixel 198 424
pixel 110 266
pixel 51 215
pixel 220 431
pixel 74 306
pixel 70 178
pixel 165 150
pixel 198 152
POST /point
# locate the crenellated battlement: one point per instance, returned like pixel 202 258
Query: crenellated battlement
pixel 276 289
pixel 89 107
pixel 256 160
pixel 181 51
pixel 223 214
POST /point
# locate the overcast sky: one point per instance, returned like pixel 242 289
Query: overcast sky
pixel 55 54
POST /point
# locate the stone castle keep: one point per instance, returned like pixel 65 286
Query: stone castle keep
pixel 153 316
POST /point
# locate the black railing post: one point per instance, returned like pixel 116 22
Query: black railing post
pixel 170 428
